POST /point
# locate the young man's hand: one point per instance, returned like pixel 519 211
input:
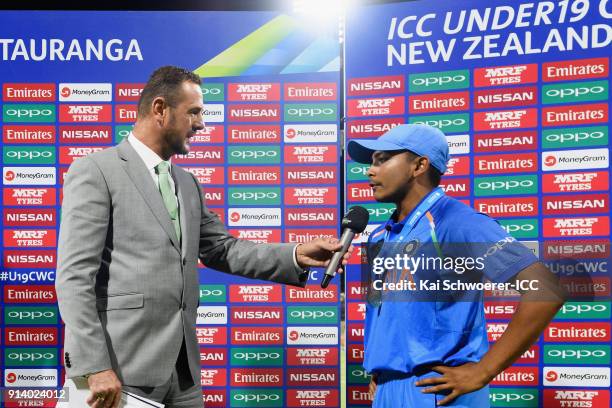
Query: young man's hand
pixel 458 380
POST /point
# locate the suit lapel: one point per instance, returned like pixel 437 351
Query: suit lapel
pixel 136 170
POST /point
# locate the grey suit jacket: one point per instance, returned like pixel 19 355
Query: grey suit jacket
pixel 127 291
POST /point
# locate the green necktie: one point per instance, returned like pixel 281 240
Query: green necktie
pixel 168 196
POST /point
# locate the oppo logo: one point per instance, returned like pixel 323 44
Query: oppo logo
pixel 360 170
pixel 30 315
pixel 31 155
pixel 379 212
pixel 439 80
pixel 505 185
pixel 583 308
pixel 574 137
pixel 210 293
pixel 30 356
pixel 243 196
pixel 442 123
pixel 574 92
pixel 257 356
pixel 577 354
pixel 309 314
pixel 211 91
pixel 358 372
pixel 29 113
pixel 256 397
pixel 253 154
pixel 511 397
pixel 518 227
pixel 310 112
pixel 123 133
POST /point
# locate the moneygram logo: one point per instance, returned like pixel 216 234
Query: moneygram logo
pixel 298 335
pixel 70 92
pixel 310 112
pixel 320 133
pixel 254 217
pixel 249 397
pixel 575 159
pixel 254 155
pixel 438 81
pixel 577 354
pixel 28 175
pixel 257 356
pixel 575 137
pixel 213 92
pixel 212 315
pixel 28 113
pixel 577 376
pixel 312 315
pixel 575 92
pixel 514 397
pixel 27 357
pixel 27 377
pixel 254 196
pixel 213 113
pixel 458 144
pixel 30 315
pixel 28 154
pixel 453 123
pixel 506 185
pixel 213 294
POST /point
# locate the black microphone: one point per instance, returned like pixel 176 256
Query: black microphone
pixel 354 222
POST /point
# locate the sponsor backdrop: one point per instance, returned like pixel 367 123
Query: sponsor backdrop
pixel 268 160
pixel 522 91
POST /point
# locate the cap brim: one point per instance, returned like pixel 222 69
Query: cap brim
pixel 361 150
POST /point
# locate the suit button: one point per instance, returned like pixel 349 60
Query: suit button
pixel 184 306
pixel 184 262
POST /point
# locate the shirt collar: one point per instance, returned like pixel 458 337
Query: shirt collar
pixel 148 156
pixel 396 226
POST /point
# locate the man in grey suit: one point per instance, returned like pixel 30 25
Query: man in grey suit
pixel 133 227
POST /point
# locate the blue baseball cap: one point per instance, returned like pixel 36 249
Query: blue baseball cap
pixel 421 140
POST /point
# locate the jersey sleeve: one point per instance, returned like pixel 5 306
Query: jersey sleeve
pixel 480 237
